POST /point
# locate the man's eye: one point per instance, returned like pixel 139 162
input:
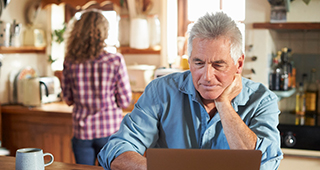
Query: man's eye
pixel 219 66
pixel 198 63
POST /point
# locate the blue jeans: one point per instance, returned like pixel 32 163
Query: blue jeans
pixel 86 151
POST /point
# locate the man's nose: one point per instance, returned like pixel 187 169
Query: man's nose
pixel 208 72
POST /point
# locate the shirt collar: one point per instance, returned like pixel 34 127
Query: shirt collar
pixel 187 87
pixel 243 97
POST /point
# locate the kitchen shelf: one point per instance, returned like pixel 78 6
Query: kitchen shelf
pixel 288 26
pixel 128 50
pixel 25 49
pixel 287 93
pixel 76 3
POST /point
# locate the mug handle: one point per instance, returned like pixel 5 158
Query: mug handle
pixel 51 160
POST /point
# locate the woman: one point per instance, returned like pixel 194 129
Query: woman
pixel 96 83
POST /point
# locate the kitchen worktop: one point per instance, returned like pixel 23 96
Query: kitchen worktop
pixel 56 107
pixel 297 159
pixel 48 127
pixel 292 162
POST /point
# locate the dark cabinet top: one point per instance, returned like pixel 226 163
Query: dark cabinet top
pixel 288 26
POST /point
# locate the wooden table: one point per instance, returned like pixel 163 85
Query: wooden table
pixel 8 163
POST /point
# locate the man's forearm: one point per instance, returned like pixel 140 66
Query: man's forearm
pixel 129 161
pixel 238 134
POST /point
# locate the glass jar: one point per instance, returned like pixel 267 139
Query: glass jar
pixel 154 30
pixel 124 30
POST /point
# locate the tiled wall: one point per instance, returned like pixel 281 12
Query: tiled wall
pixel 305 47
pixel 13 63
pixel 300 41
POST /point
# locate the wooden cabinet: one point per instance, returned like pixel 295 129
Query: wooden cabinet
pixel 49 129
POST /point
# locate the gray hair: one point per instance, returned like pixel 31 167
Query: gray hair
pixel 213 26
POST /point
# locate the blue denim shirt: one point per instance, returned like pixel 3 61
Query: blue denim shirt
pixel 170 114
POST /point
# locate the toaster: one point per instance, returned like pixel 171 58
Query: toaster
pixel 50 89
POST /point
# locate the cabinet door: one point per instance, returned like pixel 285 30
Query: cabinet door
pixel 48 131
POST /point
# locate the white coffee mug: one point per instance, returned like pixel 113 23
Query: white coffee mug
pixel 31 159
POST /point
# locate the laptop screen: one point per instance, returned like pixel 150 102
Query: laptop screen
pixel 202 159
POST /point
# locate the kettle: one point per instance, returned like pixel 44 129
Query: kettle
pixel 31 91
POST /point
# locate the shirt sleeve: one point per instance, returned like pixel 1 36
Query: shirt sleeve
pixel 123 89
pixel 135 133
pixel 264 125
pixel 66 84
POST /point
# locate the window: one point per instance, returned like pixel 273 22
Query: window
pixel 197 8
pixel 113 19
pixel 57 49
pixel 191 10
pixel 58 20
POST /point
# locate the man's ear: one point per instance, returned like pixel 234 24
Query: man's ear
pixel 240 63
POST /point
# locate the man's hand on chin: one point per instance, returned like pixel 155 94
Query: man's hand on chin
pixel 231 91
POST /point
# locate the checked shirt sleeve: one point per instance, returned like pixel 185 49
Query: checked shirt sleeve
pixel 123 89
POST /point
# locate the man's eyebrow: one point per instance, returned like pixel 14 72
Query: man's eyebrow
pixel 220 62
pixel 196 59
pixel 214 62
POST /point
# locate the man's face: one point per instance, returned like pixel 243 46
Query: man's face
pixel 212 67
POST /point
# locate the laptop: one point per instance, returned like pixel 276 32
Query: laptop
pixel 202 159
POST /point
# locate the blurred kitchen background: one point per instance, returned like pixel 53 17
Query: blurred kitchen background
pixel 151 34
pixel 170 24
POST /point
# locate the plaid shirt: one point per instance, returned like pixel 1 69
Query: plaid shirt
pixel 98 90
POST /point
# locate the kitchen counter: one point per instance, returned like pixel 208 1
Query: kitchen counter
pixel 297 159
pixel 291 162
pixel 60 108
pixel 55 108
pixel 48 127
pixel 301 152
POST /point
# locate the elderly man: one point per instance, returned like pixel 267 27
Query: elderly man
pixel 209 107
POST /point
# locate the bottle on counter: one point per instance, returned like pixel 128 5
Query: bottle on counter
pixel 305 81
pixel 300 105
pixel 285 83
pixel 292 70
pixel 312 99
pixel 293 76
pixel 275 74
